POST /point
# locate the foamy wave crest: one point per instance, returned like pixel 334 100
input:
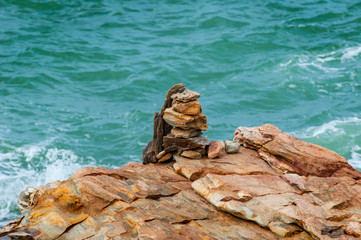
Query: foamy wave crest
pixel 322 62
pixel 310 64
pixel 32 165
pixel 355 159
pixel 335 128
pixel 350 53
pixel 342 136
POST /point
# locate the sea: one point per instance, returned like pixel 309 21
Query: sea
pixel 80 80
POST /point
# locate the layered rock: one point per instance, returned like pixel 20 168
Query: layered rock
pixel 178 127
pixel 234 196
pixel 160 128
pixel 291 155
pixel 134 202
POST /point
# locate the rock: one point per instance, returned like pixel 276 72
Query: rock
pixel 25 199
pixel 161 154
pixel 191 154
pixel 245 163
pixel 166 157
pixel 353 228
pixel 176 119
pixel 283 229
pixel 201 150
pixel 186 96
pixel 185 143
pixel 232 147
pixel 237 196
pixel 214 150
pixel 185 133
pixel 269 203
pixel 160 128
pixel 134 202
pixel 289 154
pixel 192 108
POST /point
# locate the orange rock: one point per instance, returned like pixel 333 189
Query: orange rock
pixel 191 154
pixel 214 150
pixel 237 196
pixel 353 228
pixel 165 207
pixel 289 154
pixel 186 96
pixel 171 142
pixel 176 119
pixel 165 158
pixel 185 133
pixel 189 108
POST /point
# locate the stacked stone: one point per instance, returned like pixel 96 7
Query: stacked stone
pixel 185 115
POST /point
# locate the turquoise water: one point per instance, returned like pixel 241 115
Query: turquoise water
pixel 81 80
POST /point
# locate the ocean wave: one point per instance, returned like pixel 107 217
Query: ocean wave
pixel 335 127
pixel 355 159
pixel 32 165
pixel 350 53
pixel 323 62
pixel 341 135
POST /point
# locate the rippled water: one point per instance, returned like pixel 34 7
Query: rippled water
pixel 81 80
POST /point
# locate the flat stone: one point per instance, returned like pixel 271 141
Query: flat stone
pixel 214 150
pixel 191 154
pixel 245 162
pixel 201 150
pixel 232 147
pixel 176 119
pixel 188 108
pixel 186 96
pixel 165 158
pixel 185 133
pixel 185 143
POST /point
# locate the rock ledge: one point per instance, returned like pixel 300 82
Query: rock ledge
pixel 275 187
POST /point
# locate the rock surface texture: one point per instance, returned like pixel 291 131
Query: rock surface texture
pixel 275 187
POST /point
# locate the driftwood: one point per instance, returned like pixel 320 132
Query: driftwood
pixel 160 128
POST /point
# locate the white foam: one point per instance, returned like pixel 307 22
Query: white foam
pixel 321 61
pixel 350 53
pixel 355 159
pixel 340 135
pixel 335 127
pixel 34 165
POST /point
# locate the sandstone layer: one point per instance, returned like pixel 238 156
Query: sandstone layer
pixel 275 187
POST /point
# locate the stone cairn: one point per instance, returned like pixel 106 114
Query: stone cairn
pixel 178 128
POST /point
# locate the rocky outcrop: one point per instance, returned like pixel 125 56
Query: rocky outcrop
pixel 235 196
pixel 274 186
pixel 291 155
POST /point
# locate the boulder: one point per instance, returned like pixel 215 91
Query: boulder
pixel 289 154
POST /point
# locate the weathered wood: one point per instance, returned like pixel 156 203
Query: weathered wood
pixel 160 128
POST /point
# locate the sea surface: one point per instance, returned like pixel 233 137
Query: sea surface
pixel 80 80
